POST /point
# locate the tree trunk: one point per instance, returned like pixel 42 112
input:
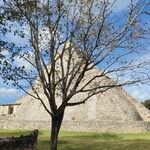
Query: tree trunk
pixel 55 127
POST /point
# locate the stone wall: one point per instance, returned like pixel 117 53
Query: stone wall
pixel 113 110
pixel 88 126
pixel 5 109
pixel 26 142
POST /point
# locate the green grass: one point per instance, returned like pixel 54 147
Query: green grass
pixel 89 141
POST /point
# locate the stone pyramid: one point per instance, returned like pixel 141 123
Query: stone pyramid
pixel 114 110
pixel 113 105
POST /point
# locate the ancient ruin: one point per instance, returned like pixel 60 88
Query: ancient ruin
pixel 114 110
pixel 8 108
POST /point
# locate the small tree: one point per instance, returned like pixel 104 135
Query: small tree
pixel 146 103
pixel 64 41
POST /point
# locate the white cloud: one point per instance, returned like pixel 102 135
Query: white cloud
pixel 146 57
pixel 1 2
pixel 5 53
pixel 141 92
pixel 5 92
pixel 21 62
pixel 121 4
pixel 141 95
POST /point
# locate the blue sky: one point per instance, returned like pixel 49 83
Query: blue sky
pixel 9 94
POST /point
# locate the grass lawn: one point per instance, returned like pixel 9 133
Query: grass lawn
pixel 89 141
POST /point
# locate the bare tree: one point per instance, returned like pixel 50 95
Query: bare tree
pixel 64 41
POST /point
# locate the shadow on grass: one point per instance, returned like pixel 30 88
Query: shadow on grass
pixel 90 143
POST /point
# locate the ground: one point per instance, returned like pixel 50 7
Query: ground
pixel 90 141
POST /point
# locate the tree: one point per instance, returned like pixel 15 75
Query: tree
pixel 64 41
pixel 146 103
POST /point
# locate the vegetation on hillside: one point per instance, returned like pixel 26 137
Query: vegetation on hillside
pixel 146 103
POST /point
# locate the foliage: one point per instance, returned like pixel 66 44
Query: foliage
pixel 146 103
